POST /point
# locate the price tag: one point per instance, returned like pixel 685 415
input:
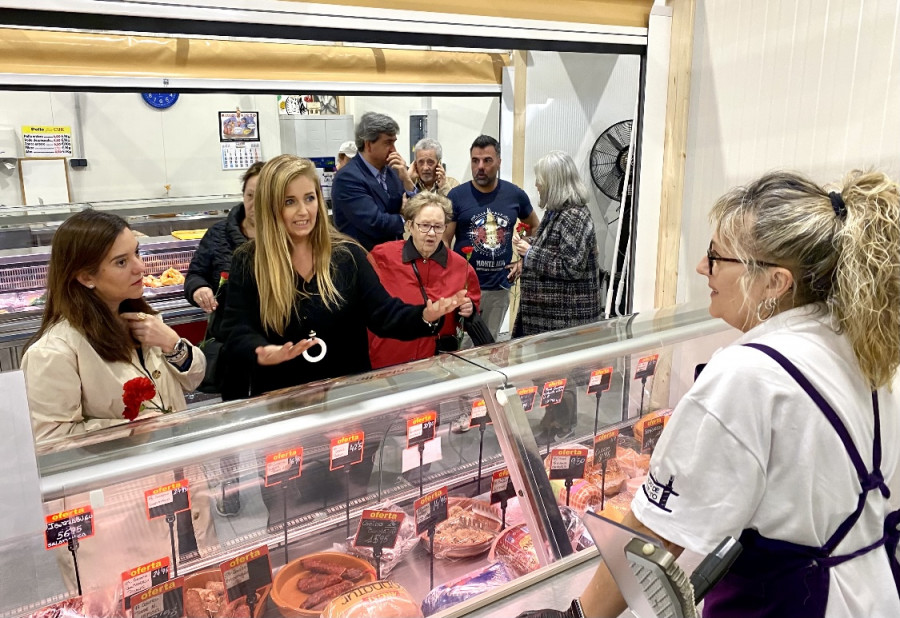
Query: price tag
pixel 552 393
pixel 246 573
pixel 527 396
pixel 605 447
pixel 378 528
pixel 163 601
pixel 77 523
pixel 653 428
pixel 567 463
pixel 143 578
pixel 646 367
pixel 600 381
pixel 479 414
pixel 421 428
pixel 431 509
pixel 501 486
pixel 167 499
pixel 283 466
pixel 347 450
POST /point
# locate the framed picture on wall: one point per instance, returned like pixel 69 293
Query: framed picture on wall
pixel 238 126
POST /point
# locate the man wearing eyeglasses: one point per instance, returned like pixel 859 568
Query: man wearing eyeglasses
pixel 367 193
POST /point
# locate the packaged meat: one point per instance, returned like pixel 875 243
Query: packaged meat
pixel 391 556
pixel 297 575
pixel 582 495
pixel 70 608
pixel 469 585
pixel 204 597
pixel 515 549
pixel 614 477
pixel 381 599
pixel 616 507
pixel 638 428
pixel 631 462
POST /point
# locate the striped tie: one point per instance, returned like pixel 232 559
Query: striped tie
pixel 382 179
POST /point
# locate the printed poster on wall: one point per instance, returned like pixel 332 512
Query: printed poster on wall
pixel 47 141
pixel 238 126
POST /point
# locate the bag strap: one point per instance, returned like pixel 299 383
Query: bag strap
pixel 419 279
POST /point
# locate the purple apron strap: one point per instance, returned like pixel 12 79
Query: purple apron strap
pixel 774 577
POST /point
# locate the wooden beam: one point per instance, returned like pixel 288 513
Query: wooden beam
pixel 674 151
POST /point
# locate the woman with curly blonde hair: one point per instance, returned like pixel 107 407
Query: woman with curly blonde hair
pixel 790 438
pixel 301 295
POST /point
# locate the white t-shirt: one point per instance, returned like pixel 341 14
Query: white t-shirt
pixel 747 448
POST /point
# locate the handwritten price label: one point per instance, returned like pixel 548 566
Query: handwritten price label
pixel 646 367
pixel 347 450
pixel 378 528
pixel 62 527
pixel 163 601
pixel 552 393
pixel 142 578
pixel 283 466
pixel 421 428
pixel 567 463
pixel 652 431
pixel 605 446
pixel 527 396
pixel 479 414
pixel 167 499
pixel 430 509
pixel 600 381
pixel 501 486
pixel 246 573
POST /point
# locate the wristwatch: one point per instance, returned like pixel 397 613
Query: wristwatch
pixel 179 353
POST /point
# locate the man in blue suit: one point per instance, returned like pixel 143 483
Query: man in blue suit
pixel 368 191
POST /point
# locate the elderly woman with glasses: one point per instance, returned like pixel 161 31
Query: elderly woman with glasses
pixel 422 268
pixel 790 438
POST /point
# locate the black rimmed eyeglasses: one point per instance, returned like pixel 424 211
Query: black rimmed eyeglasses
pixel 425 228
pixel 712 257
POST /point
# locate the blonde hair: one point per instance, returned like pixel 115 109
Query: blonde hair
pixel 560 184
pixel 414 206
pixel 847 262
pixel 272 265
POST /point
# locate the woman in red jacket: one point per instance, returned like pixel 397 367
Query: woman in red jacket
pixel 420 268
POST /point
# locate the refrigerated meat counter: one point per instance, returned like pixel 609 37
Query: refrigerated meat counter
pixel 288 478
pixel 26 234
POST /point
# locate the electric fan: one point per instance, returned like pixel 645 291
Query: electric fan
pixel 609 159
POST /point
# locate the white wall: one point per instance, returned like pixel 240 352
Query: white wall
pixel 460 121
pixel 134 151
pixel 810 85
pixel 571 99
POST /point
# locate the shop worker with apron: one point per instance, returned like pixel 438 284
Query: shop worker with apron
pixel 790 437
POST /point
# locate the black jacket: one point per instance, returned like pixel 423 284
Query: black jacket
pixel 365 304
pixel 213 255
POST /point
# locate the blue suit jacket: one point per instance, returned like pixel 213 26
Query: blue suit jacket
pixel 362 209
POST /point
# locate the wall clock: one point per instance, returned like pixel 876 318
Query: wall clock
pixel 160 100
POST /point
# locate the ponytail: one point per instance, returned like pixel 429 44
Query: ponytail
pixel 865 295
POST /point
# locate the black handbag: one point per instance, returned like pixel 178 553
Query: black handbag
pixel 213 342
pixel 477 329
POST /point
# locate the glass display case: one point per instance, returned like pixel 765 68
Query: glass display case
pixel 169 230
pixel 489 454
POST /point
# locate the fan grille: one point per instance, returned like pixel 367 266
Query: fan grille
pixel 609 159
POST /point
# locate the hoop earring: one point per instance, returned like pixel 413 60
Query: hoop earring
pixel 322 352
pixel 769 305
